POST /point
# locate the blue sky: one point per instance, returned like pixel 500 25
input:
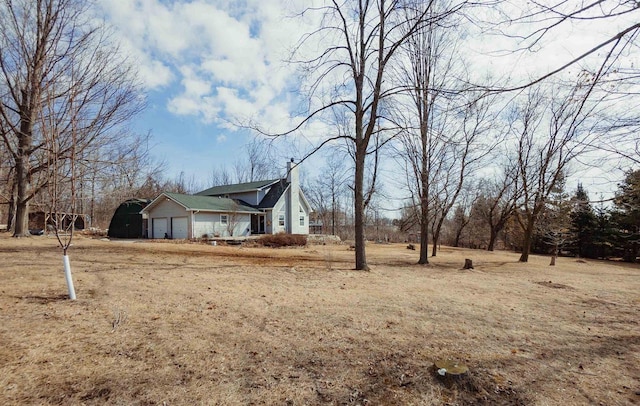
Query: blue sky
pixel 204 63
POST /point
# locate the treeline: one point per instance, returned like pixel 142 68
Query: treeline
pixel 571 224
pixel 490 216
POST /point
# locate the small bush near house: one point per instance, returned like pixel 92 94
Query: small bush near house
pixel 283 240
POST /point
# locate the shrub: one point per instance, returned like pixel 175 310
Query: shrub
pixel 283 240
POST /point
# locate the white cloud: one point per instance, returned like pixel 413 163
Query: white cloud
pixel 226 57
pixel 154 74
pixel 221 138
pixel 194 85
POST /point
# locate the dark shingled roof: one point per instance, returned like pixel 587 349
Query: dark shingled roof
pixel 210 203
pixel 237 188
pixel 271 198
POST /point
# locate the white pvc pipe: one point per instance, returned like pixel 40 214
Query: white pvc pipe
pixel 67 275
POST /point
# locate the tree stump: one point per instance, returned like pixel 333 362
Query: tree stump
pixel 444 367
pixel 468 264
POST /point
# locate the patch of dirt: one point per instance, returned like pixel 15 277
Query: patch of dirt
pixel 550 284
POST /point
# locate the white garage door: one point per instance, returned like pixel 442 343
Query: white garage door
pixel 179 227
pixel 159 227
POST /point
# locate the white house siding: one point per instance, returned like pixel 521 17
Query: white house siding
pixel 292 221
pixel 253 197
pixel 205 223
pixel 302 212
pixel 278 209
pixel 243 225
pixel 249 197
pixel 209 224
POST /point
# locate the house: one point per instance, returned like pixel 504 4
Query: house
pixel 262 207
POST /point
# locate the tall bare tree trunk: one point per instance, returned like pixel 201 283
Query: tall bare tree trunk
pixel 492 239
pixel 424 216
pixel 434 246
pixel 11 215
pixel 333 213
pixel 21 226
pixel 527 240
pixel 359 209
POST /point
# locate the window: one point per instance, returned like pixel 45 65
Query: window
pixel 224 219
pixel 301 220
pixel 281 220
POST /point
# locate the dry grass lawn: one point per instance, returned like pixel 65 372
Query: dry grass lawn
pixel 186 324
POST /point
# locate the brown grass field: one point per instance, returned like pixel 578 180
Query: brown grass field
pixel 189 324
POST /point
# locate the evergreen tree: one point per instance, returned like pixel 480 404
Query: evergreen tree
pixel 603 239
pixel 626 216
pixel 557 233
pixel 553 231
pixel 583 225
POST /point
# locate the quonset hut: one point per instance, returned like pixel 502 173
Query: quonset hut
pixel 127 222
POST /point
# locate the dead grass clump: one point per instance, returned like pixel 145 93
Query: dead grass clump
pixel 283 240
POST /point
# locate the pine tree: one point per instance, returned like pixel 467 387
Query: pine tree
pixel 557 231
pixel 583 225
pixel 603 239
pixel 626 216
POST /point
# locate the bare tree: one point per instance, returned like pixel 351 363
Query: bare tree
pixel 609 62
pixel 254 165
pixel 444 123
pixel 462 214
pixel 467 142
pixel 62 179
pixel 50 52
pixel 118 172
pixel 349 76
pixel 257 165
pixel 430 51
pixel 553 130
pixel 327 189
pixel 221 176
pixel 497 201
pixel 6 188
pixel 233 218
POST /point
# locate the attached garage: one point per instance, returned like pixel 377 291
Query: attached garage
pixel 179 228
pixel 159 227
